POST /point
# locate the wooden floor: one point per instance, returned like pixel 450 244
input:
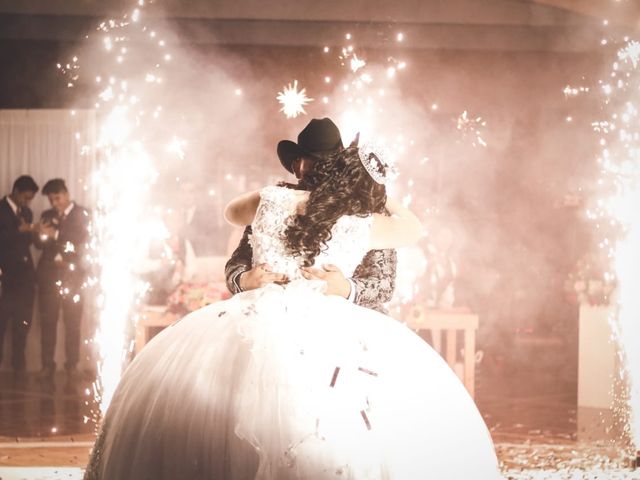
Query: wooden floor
pixel 24 454
pixel 46 423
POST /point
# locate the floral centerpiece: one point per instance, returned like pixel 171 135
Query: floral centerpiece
pixel 191 296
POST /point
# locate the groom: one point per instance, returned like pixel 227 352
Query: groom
pixel 373 281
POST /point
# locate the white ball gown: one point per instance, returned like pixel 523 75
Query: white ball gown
pixel 288 383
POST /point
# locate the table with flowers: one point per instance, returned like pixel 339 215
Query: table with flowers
pixel 187 298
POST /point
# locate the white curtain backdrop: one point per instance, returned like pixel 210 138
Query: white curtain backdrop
pixel 48 144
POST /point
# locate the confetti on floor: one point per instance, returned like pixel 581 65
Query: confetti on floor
pixel 573 461
pixel 40 473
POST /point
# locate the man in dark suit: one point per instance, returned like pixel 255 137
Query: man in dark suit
pixel 18 276
pixel 373 282
pixel 61 275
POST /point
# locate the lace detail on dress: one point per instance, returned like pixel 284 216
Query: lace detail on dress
pixel 277 204
pixel 375 279
pixel 346 248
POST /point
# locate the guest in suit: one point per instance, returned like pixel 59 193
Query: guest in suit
pixel 18 276
pixel 61 275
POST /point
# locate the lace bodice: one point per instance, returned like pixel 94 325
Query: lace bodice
pixel 348 244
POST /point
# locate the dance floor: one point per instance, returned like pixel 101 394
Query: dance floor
pixel 41 473
pixel 46 431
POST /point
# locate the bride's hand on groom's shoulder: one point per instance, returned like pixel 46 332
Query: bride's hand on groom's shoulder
pixel 337 283
pixel 259 276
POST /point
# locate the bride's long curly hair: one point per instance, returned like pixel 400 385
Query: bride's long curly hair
pixel 339 185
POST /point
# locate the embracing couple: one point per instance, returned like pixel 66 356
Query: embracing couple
pixel 292 378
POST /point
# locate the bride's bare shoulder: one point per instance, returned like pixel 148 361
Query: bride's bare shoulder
pixel 241 210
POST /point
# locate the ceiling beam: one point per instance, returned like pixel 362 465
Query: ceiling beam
pixel 620 12
pixel 320 33
pixel 485 12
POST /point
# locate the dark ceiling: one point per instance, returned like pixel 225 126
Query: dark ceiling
pixel 511 25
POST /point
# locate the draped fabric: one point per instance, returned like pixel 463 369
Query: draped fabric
pixel 49 144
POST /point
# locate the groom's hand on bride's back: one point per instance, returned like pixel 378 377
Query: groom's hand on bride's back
pixel 259 276
pixel 337 283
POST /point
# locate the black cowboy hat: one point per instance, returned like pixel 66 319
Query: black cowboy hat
pixel 319 139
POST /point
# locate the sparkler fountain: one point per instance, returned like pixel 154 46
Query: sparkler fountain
pixel 130 79
pixel 619 161
pixel 123 185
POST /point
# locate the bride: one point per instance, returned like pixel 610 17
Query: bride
pixel 284 382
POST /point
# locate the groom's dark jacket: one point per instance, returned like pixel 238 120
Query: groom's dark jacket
pixel 374 278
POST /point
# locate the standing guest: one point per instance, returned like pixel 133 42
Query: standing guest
pixel 18 275
pixel 60 276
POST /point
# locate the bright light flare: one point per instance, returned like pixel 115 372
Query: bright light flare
pixel 356 63
pixel 177 147
pixel 630 53
pixel 293 100
pixel 121 239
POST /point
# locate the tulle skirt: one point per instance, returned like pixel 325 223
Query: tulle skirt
pixel 286 383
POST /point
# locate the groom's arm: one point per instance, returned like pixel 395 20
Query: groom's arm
pixel 242 275
pixel 240 262
pixel 375 279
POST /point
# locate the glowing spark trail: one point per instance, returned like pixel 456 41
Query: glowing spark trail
pixel 292 100
pixel 619 138
pixel 472 127
pixel 356 63
pixel 123 227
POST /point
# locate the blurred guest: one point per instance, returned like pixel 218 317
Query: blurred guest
pixel 205 231
pixel 61 274
pixel 18 276
pixel 441 269
pixel 197 220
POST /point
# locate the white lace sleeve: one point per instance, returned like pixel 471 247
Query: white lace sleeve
pixel 277 204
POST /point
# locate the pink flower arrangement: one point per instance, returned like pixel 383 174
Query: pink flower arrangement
pixel 193 296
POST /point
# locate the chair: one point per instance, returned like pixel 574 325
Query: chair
pixel 451 321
